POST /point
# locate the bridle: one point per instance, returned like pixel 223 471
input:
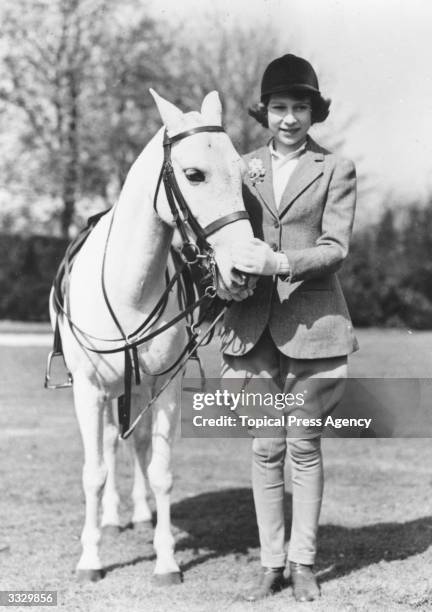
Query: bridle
pixel 197 256
pixel 180 210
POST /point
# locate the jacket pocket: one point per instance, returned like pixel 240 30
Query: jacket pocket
pixel 316 284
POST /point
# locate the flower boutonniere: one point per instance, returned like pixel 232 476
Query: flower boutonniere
pixel 256 170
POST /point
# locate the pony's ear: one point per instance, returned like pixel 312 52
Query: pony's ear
pixel 211 108
pixel 171 115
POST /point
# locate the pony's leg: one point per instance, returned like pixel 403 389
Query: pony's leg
pixel 89 406
pixel 165 417
pixel 110 499
pixel 141 448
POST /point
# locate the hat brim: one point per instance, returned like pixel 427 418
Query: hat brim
pixel 288 88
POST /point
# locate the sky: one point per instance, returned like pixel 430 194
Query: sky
pixel 374 61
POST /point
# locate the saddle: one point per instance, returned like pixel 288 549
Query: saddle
pixel 189 288
pixel 59 287
pixel 66 263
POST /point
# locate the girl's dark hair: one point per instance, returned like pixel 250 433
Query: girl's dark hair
pixel 320 106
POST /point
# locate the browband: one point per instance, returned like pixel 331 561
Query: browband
pixel 169 140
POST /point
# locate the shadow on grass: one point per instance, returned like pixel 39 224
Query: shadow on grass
pixel 223 522
pixel 140 559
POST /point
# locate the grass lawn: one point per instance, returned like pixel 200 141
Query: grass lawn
pixel 376 525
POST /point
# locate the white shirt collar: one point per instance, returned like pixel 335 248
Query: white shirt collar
pixel 283 158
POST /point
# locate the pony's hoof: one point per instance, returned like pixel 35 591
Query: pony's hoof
pixel 111 530
pixel 89 575
pixel 168 579
pixel 142 525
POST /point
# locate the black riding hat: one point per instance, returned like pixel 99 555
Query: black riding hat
pixel 291 74
pixel 287 73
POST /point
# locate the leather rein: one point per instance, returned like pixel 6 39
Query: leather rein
pixel 197 255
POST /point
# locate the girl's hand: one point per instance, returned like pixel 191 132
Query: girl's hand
pixel 232 285
pixel 255 257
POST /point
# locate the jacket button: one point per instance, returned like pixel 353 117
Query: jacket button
pixel 274 246
pixel 276 224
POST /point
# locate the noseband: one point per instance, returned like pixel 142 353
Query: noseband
pixel 182 214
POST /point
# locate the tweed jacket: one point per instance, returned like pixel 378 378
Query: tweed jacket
pixel 307 316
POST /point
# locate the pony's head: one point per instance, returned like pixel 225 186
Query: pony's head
pixel 208 171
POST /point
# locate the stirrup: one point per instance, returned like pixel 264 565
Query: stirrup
pixel 195 357
pixel 50 385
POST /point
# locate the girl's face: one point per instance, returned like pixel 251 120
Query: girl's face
pixel 289 120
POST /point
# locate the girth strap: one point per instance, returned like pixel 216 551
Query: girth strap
pixel 124 401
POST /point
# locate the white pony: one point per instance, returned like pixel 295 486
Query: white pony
pixel 208 171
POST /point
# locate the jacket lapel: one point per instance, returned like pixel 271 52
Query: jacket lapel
pixel 265 189
pixel 308 169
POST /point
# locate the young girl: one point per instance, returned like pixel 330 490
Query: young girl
pixel 295 326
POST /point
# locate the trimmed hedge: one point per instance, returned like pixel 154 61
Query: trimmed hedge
pixel 387 278
pixel 28 266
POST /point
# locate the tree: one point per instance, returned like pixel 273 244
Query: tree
pixel 42 62
pixel 77 73
pixel 224 62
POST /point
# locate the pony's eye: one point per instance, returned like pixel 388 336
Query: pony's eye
pixel 194 176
